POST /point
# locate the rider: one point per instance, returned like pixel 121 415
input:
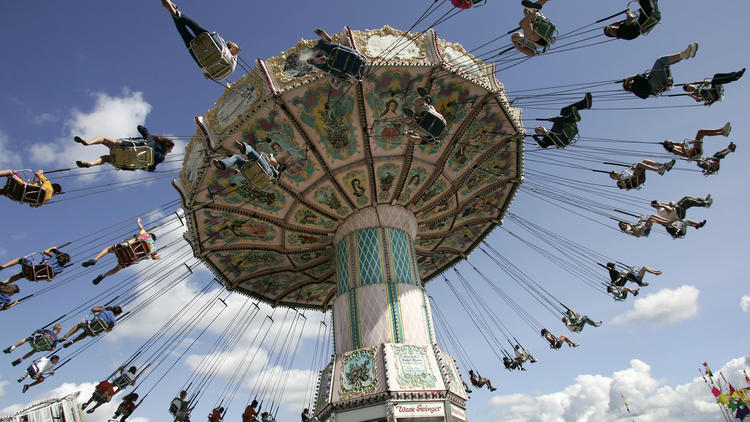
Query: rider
pixel 127 407
pixel 160 146
pixel 6 291
pixel 556 342
pixel 696 149
pixel 142 235
pixel 568 115
pixel 637 229
pixel 58 264
pixel 678 210
pixel 125 379
pixel 180 408
pixel 51 334
pixel 251 413
pixel 575 323
pixel 630 28
pixel 108 315
pixel 272 167
pixel 39 180
pixel 480 381
pixel 701 92
pixel 103 393
pixel 530 13
pixel 422 106
pixel 217 415
pixel 710 165
pixel 619 278
pixel 658 78
pixel 183 23
pixel 38 369
pixel 620 292
pixel 636 174
pixel 325 47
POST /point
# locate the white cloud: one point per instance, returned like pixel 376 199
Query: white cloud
pixel 8 158
pixel 597 398
pixel 111 116
pixel 3 384
pixel 40 119
pixel 745 303
pixel 667 306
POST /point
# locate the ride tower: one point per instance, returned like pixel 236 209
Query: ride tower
pixel 372 203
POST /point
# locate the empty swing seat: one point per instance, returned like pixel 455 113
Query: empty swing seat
pixel 213 55
pixel 23 191
pixel 95 327
pixel 42 342
pixel 129 253
pixel 347 61
pixel 132 158
pixel 647 21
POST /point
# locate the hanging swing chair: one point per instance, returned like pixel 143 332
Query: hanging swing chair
pixel 20 187
pixel 213 55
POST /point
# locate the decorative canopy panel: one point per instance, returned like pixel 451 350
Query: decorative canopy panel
pixel 345 150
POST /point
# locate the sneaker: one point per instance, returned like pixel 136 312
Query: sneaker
pixel 726 129
pixel 83 165
pixel 16 362
pixel 422 92
pixel 709 201
pixel 701 224
pixel 218 164
pixel 598 324
pixel 530 5
pixel 83 406
pixel 732 146
pixel 20 380
pixel 668 166
pixel 89 263
pixel 25 388
pixel 98 279
pixel 662 169
pixel 643 283
pixel 79 140
pixel 635 293
pixel 588 99
pixel 68 344
pixel 8 350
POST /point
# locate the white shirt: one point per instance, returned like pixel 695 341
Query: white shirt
pixel 670 213
pixel 43 365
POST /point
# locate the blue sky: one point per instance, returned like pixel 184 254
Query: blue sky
pixel 100 68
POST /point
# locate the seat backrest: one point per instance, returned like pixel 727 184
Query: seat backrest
pixel 37 272
pixel 647 22
pixel 253 172
pixel 432 122
pixel 96 327
pixel 346 61
pixel 131 158
pixel 128 254
pixel 545 29
pixel 24 192
pixel 213 55
pixel 42 342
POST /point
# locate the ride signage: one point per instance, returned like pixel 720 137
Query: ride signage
pixel 417 410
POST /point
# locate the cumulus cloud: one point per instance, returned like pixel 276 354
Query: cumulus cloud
pixel 111 116
pixel 667 306
pixel 8 158
pixel 597 398
pixel 745 303
pixel 40 119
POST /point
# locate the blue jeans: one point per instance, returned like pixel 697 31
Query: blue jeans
pixel 183 23
pixel 251 154
pixel 658 77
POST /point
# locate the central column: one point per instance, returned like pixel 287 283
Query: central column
pixel 380 297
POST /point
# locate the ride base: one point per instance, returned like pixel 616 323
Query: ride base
pixel 387 365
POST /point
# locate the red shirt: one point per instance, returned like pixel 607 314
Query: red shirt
pixel 215 416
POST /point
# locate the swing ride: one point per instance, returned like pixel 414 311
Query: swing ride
pixel 367 176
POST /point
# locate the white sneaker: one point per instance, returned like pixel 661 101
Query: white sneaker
pixel 689 52
pixel 726 129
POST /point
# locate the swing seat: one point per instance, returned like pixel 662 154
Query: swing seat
pixel 547 33
pixel 130 253
pixel 343 60
pixel 132 158
pixel 567 135
pixel 42 343
pixel 95 327
pixel 121 382
pixel 20 189
pixel 254 173
pixel 430 125
pixel 36 272
pixel 214 56
pixel 646 21
pixel 710 94
pixel 468 4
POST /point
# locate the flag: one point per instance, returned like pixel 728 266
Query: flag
pixel 747 379
pixel 625 401
pixel 716 392
pixel 708 370
pixel 731 389
pixel 742 412
pixel 722 399
pixel 732 405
